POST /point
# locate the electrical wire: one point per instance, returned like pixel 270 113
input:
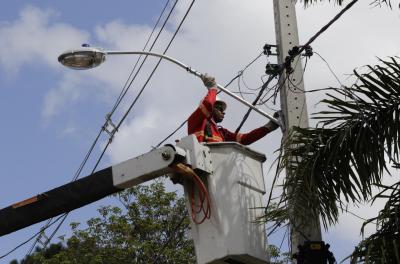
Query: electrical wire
pixel 118 101
pixel 324 28
pixel 126 86
pixel 228 84
pixel 78 172
pixel 29 239
pixel 359 217
pixel 239 77
pixel 146 56
pixel 135 100
pixel 330 69
pixel 316 90
pixel 37 239
pixel 295 86
pixel 275 177
pixel 275 227
pixel 275 90
pixel 248 86
pixel 237 92
pixel 125 90
pixel 283 239
pixel 265 85
pixel 171 134
pixel 145 85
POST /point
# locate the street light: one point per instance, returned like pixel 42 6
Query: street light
pixel 90 57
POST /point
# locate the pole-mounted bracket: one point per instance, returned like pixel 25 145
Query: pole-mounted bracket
pixel 295 51
pixel 109 127
pixel 268 50
pixel 273 69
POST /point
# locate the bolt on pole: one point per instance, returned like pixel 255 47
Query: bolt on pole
pixel 293 104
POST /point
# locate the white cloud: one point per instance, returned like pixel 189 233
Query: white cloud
pixel 56 99
pixel 118 35
pixel 217 38
pixel 33 38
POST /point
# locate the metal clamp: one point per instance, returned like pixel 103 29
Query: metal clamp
pixel 107 124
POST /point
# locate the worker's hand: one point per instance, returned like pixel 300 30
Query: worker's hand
pixel 271 125
pixel 208 81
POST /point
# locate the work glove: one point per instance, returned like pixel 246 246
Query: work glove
pixel 271 125
pixel 208 81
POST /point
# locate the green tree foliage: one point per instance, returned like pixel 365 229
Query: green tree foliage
pixel 278 257
pixel 384 245
pixel 150 226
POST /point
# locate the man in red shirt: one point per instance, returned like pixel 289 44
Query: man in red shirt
pixel 203 121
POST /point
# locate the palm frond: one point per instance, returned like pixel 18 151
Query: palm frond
pixel 340 2
pixel 344 156
pixel 384 245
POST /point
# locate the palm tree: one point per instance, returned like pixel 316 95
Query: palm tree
pixel 341 159
pixel 341 2
pixel 346 154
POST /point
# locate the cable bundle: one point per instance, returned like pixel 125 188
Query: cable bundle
pixel 204 204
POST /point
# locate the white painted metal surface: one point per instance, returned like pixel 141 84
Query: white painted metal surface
pixel 144 167
pixel 236 189
pixel 156 162
pixel 197 156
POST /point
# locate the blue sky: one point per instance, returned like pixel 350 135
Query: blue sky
pixel 51 114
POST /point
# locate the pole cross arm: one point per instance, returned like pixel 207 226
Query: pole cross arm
pixel 90 57
pixel 103 183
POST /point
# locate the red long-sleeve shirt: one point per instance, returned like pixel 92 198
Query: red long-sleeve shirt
pixel 198 120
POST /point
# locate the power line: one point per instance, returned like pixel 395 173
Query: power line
pixel 265 85
pixel 275 177
pixel 118 101
pixel 229 83
pixel 241 76
pixel 134 102
pixel 123 91
pixel 29 239
pixel 289 60
pixel 276 88
pixel 283 239
pixel 146 56
pixel 324 28
pixel 330 69
pixel 299 52
pixel 171 134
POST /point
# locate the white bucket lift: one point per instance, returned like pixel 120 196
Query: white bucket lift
pixel 236 188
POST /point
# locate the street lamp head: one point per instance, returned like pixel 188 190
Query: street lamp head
pixel 82 58
pixel 87 58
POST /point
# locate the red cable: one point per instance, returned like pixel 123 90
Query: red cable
pixel 204 198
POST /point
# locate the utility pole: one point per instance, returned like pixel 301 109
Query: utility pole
pixel 293 105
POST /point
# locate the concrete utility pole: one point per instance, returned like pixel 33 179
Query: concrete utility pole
pixel 293 103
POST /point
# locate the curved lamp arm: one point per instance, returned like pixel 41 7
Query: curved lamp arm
pixel 88 57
